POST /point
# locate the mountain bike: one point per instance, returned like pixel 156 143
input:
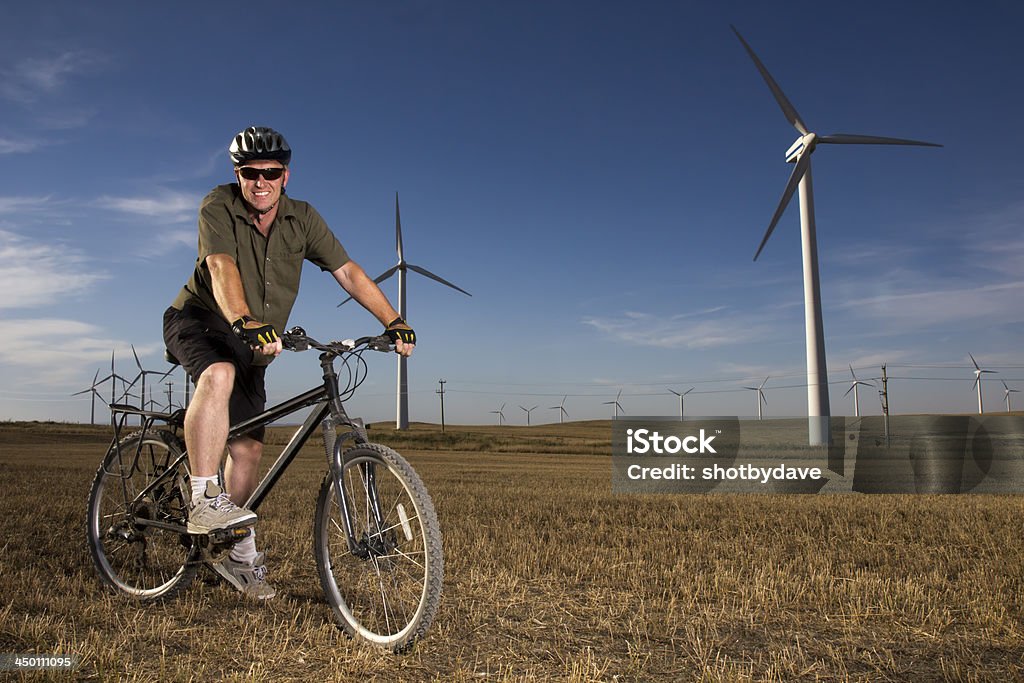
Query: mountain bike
pixel 377 542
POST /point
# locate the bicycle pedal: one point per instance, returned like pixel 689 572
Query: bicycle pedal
pixel 229 536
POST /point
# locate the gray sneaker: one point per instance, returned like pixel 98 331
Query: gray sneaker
pixel 250 579
pixel 214 511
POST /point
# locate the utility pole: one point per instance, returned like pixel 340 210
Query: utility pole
pixel 885 403
pixel 170 396
pixel 440 392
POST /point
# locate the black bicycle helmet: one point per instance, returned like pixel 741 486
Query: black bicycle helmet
pixel 259 142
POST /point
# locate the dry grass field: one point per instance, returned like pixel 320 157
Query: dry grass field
pixel 549 576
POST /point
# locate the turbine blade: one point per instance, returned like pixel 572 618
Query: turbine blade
pixel 847 139
pixel 787 194
pixel 437 278
pixel 137 359
pixel 974 361
pixel 850 389
pixel 398 232
pixel 787 107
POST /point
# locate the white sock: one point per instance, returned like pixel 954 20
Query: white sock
pixel 199 486
pixel 245 550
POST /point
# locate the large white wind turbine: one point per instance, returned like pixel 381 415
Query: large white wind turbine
pixel 501 415
pixel 800 154
pixel 681 399
pixel 978 372
pixel 760 396
pixel 402 410
pixel 853 387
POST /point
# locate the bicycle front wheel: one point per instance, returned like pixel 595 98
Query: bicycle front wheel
pixel 138 510
pixel 384 587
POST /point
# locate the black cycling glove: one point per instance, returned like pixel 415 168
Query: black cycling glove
pixel 398 329
pixel 253 332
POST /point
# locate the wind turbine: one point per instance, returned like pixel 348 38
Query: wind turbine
pixel 615 403
pixel 800 154
pixel 853 388
pixel 528 411
pixel 760 397
pixel 978 372
pixel 501 415
pixel 1006 395
pixel 142 376
pixel 95 395
pixel 681 400
pixel 561 409
pixel 402 416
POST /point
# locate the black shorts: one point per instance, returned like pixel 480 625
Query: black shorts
pixel 198 338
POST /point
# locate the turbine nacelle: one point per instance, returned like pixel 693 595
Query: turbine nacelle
pixel 804 142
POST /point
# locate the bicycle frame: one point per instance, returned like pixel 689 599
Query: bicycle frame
pixel 329 410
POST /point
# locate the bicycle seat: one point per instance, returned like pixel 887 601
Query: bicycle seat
pixel 169 357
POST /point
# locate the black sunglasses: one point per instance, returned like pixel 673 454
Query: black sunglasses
pixel 252 173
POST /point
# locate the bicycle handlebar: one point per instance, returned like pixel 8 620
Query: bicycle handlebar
pixel 296 339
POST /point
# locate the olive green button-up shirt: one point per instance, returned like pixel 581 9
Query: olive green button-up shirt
pixel 270 266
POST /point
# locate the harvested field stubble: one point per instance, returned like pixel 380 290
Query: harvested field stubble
pixel 548 576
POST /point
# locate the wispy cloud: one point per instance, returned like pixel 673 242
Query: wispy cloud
pixel 34 273
pixel 709 328
pixel 33 77
pixel 62 348
pixel 19 146
pixel 166 206
pixel 999 302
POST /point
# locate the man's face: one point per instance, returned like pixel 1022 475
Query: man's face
pixel 259 192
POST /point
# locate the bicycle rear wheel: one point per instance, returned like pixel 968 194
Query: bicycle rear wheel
pixel 137 515
pixel 387 589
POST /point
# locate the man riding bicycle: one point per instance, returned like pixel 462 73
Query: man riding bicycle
pixel 223 328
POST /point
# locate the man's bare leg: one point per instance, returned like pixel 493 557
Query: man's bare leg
pixel 206 431
pixel 206 422
pixel 241 472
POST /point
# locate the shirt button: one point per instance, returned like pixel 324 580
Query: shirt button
pixel 268 305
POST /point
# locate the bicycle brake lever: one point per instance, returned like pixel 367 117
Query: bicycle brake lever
pixel 295 339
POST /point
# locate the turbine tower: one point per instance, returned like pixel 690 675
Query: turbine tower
pixel 501 415
pixel 978 372
pixel 1006 396
pixel 853 388
pixel 760 397
pixel 561 409
pixel 617 406
pixel 402 409
pixel 681 400
pixel 800 154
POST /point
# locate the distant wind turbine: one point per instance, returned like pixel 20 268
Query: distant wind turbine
pixel 402 416
pixel 853 388
pixel 617 406
pixel 1006 396
pixel 528 411
pixel 681 400
pixel 978 372
pixel 95 395
pixel 760 397
pixel 800 154
pixel 561 410
pixel 142 376
pixel 501 415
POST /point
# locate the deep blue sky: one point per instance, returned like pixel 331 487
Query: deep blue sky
pixel 598 175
